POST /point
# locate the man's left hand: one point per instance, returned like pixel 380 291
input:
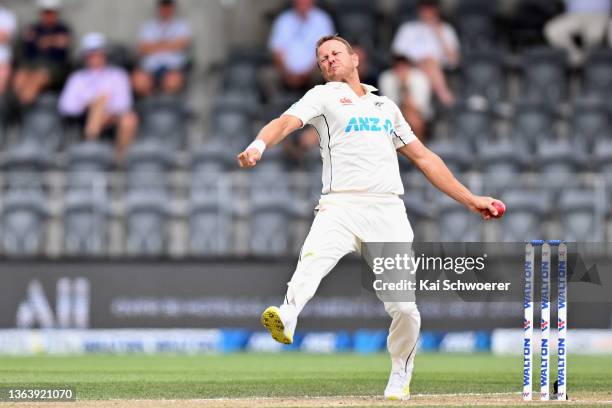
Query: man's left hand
pixel 486 207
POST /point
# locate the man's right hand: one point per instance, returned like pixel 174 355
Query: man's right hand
pixel 249 157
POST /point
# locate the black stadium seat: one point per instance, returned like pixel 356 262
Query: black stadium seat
pixel 532 121
pixel 544 75
pixel 590 122
pixel 483 75
pixel 597 74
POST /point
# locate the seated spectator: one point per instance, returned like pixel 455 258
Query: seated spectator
pixel 586 20
pixel 432 44
pixel 293 38
pixel 8 25
pixel 162 47
pixel 409 88
pixel 99 95
pixel 45 54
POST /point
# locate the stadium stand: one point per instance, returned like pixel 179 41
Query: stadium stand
pixel 524 125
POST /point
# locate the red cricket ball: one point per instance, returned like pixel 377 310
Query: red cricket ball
pixel 500 207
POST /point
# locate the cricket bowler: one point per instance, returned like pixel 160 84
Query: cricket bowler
pixel 359 133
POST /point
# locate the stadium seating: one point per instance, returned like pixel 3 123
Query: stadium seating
pixel 85 219
pixel 164 121
pixel 544 75
pixel 146 215
pixel 483 75
pixel 590 122
pixel 42 123
pixel 579 216
pixel 457 155
pixel 23 223
pixel 147 165
pixel 523 220
pixel 559 159
pixel 525 127
pixel 501 162
pixel 210 215
pixel 531 122
pixel 597 76
pixel 211 157
pixel 24 164
pixel 475 22
pixel 470 124
pixel 455 223
pixel 88 164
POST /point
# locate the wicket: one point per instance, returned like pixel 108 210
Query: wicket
pixel 528 320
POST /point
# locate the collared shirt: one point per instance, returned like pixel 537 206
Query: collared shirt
pixel 417 41
pixel 8 25
pixel 296 38
pixel 358 137
pixel 158 30
pixel 85 85
pixel 588 6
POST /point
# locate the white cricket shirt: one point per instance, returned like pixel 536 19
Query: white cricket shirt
pixel 358 137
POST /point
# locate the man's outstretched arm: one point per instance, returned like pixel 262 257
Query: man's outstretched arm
pixel 440 176
pixel 274 132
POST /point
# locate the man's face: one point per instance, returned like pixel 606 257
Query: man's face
pixel 429 13
pixel 303 6
pixel 166 11
pixel 96 59
pixel 48 17
pixel 335 61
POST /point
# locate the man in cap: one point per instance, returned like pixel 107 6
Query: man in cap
pixel 100 95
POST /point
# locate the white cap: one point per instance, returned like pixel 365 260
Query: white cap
pixel 49 4
pixel 92 42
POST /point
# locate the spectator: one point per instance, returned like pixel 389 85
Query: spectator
pixel 432 44
pixel 162 47
pixel 294 35
pixel 99 95
pixel 8 25
pixel 409 88
pixel 45 54
pixel 583 19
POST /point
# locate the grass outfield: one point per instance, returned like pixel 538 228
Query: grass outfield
pixel 101 377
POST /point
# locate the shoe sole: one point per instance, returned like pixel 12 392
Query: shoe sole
pixel 404 397
pixel 271 320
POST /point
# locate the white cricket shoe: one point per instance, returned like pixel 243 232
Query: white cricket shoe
pixel 280 322
pixel 398 387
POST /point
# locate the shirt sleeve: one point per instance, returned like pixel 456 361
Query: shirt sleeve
pixel 10 23
pixel 327 26
pixel 308 107
pixel 402 41
pixel 402 133
pixel 451 37
pixel 279 33
pixel 71 102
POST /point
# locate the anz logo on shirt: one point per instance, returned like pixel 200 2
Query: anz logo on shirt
pixel 369 124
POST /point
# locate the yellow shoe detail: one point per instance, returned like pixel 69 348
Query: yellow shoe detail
pixel 406 392
pixel 271 320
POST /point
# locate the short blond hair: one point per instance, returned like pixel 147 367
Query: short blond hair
pixel 330 37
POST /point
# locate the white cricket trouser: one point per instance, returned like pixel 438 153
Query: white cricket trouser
pixel 342 222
